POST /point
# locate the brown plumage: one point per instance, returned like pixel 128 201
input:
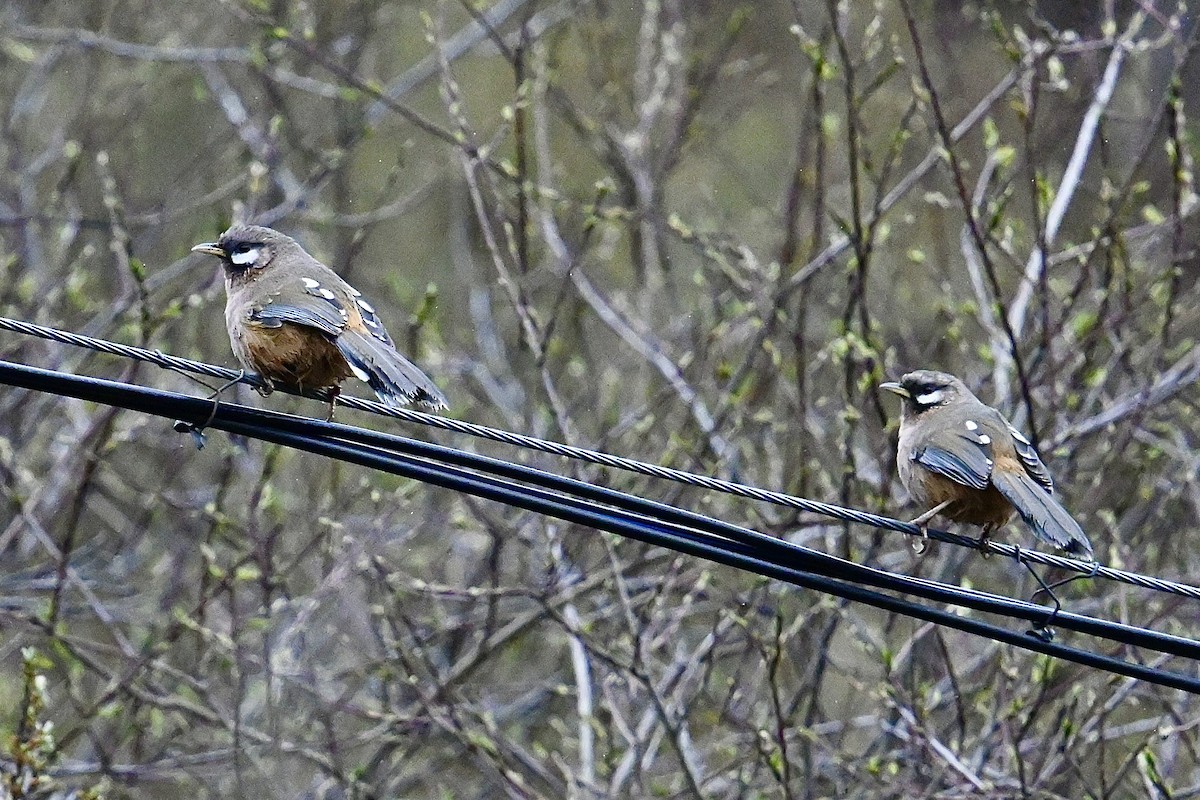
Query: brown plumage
pixel 963 460
pixel 293 321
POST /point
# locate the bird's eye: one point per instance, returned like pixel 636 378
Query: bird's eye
pixel 244 254
pixel 930 396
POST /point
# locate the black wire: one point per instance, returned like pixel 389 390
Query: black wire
pixel 687 535
pixel 779 550
pixel 684 541
pixel 1024 556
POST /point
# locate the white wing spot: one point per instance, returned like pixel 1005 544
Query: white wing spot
pixel 366 306
pixel 309 283
pixel 359 372
pixel 985 439
pixel 971 425
pixel 328 295
pixel 342 311
pixel 1016 434
pixel 353 292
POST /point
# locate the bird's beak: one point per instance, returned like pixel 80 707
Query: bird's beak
pixel 212 248
pixel 892 386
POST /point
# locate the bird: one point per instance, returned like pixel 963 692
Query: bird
pixel 295 322
pixel 963 460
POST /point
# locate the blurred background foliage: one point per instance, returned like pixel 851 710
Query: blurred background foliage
pixel 694 232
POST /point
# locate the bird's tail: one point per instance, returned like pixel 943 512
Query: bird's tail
pixel 1049 520
pixel 395 379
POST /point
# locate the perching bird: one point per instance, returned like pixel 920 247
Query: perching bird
pixel 965 461
pixel 292 320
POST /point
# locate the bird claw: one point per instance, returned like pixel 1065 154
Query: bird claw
pixel 985 543
pixel 920 544
pixel 922 522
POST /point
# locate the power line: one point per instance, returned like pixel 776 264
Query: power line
pixel 185 365
pixel 644 520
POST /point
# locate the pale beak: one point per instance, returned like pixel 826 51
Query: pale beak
pixel 892 386
pixel 212 248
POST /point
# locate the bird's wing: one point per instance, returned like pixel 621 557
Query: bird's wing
pixel 395 379
pixel 998 427
pixel 1030 458
pixel 313 307
pixel 275 314
pixel 364 318
pixel 339 310
pixel 962 456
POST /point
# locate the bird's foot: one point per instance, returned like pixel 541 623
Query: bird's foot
pixel 985 542
pixel 920 544
pixel 265 388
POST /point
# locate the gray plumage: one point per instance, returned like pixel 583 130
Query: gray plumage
pixel 293 320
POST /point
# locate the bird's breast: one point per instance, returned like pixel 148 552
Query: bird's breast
pixel 301 357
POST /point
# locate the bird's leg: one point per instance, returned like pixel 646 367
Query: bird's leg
pixel 923 543
pixel 985 540
pixel 334 391
pixel 930 514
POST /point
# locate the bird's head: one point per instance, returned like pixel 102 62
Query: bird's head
pixel 925 389
pixel 245 250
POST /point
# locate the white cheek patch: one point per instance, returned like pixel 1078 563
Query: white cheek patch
pixel 931 399
pixel 247 258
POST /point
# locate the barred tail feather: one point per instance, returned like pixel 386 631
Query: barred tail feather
pixel 1050 521
pixel 392 377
